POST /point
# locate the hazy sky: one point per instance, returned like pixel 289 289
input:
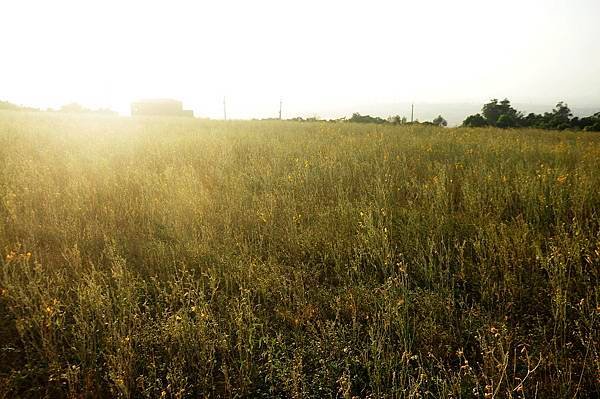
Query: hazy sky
pixel 319 56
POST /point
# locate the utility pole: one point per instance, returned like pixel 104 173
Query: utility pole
pixel 224 109
pixel 412 112
pixel 280 103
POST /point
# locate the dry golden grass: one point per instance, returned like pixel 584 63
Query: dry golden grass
pixel 182 258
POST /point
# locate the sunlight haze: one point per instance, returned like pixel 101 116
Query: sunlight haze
pixel 321 58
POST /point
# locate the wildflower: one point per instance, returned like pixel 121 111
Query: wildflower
pixel 561 179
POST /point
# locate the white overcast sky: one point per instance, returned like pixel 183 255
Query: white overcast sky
pixel 319 56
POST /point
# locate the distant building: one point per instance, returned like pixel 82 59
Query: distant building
pixel 159 108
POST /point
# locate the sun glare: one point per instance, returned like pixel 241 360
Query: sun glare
pixel 321 57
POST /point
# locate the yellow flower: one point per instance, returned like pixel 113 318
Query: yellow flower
pixel 561 179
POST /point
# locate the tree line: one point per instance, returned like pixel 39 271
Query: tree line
pixel 358 118
pixel 72 108
pixel 395 120
pixel 501 114
pixel 5 105
pixel 495 113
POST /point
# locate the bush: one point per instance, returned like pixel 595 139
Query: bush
pixel 475 121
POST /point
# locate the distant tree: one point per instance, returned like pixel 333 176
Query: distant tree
pixel 397 120
pixel 593 128
pixel 394 119
pixel 5 105
pixel 560 118
pixel 507 109
pixel 493 110
pixel 503 115
pixel 105 111
pixel 73 107
pixel 593 123
pixel 532 120
pixel 339 120
pixel 475 121
pixel 358 118
pixel 79 109
pixel 506 121
pixel 440 121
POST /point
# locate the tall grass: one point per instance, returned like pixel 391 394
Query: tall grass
pixel 180 258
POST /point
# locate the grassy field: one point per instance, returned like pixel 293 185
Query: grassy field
pixel 176 258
